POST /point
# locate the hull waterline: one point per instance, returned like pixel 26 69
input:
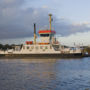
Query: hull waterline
pixel 77 55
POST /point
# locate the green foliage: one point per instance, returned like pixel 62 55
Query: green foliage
pixel 5 47
pixel 87 49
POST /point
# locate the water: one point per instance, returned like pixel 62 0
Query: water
pixel 46 74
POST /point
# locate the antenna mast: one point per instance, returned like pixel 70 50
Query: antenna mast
pixel 50 20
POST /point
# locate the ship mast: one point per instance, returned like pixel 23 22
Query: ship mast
pixel 50 20
pixel 34 33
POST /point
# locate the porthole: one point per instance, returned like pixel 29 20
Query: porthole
pixel 43 49
pixel 30 50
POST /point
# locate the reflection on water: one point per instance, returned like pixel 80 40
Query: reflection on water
pixel 46 74
pixel 40 60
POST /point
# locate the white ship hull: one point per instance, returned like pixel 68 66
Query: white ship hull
pixel 41 51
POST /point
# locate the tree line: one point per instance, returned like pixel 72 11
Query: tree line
pixel 87 49
pixel 6 46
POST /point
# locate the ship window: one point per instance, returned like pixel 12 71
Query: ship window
pixel 23 47
pixel 44 35
pixel 36 47
pixel 27 47
pixel 41 47
pixel 46 47
pixel 32 47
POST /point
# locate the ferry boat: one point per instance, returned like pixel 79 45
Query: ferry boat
pixel 48 47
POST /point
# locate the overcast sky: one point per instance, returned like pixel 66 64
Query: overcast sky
pixel 71 19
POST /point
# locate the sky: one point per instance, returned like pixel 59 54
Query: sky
pixel 71 20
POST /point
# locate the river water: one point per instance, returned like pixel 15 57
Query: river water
pixel 45 74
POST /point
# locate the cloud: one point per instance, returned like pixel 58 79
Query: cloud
pixel 66 28
pixel 78 39
pixel 11 3
pixel 16 21
pixel 81 38
pixel 45 6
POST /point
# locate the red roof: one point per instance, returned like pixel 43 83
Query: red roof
pixel 46 31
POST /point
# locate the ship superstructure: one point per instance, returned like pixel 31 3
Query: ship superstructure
pixel 48 46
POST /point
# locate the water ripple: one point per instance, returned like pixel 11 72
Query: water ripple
pixel 47 74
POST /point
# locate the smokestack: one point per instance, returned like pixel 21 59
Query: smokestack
pixel 34 33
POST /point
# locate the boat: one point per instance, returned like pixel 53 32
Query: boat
pixel 47 47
